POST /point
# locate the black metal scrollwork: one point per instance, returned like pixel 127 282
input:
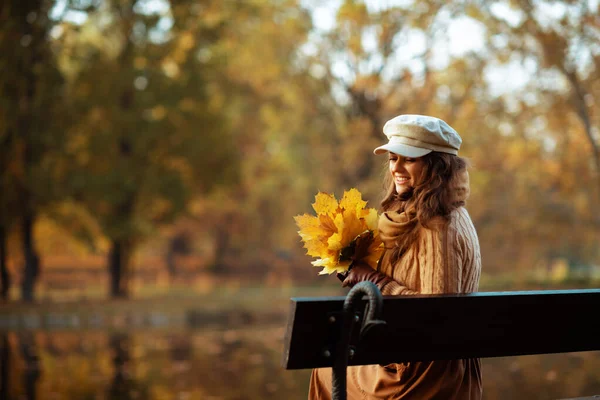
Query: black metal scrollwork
pixel 350 317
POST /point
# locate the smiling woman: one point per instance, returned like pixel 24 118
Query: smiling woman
pixel 405 172
pixel 431 247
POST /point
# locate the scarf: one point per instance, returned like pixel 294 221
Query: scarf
pixel 393 224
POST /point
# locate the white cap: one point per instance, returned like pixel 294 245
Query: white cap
pixel 412 135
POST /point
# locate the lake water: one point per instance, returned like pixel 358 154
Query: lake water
pixel 225 345
pixel 236 363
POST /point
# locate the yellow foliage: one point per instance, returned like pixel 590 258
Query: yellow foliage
pixel 559 271
pixel 341 233
pixel 140 62
pixel 186 41
pixel 325 204
pixel 158 113
pixel 353 199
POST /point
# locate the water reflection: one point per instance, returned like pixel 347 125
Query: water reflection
pixel 240 363
pixel 122 385
pixel 31 373
pixel 4 366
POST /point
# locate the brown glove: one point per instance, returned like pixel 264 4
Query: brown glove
pixel 362 272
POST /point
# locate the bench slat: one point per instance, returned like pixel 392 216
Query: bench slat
pixel 435 327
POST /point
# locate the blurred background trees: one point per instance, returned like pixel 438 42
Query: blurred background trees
pixel 178 138
pixel 31 133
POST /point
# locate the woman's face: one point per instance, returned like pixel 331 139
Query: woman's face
pixel 405 171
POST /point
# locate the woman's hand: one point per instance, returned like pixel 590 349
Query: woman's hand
pixel 362 272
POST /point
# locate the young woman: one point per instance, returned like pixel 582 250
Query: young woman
pixel 431 247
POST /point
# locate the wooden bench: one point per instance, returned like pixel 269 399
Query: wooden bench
pixel 365 328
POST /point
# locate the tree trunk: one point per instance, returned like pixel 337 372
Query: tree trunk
pixel 584 115
pixel 25 128
pixel 119 267
pixel 31 270
pixel 119 256
pixel 222 245
pixel 171 264
pixel 178 245
pixel 4 275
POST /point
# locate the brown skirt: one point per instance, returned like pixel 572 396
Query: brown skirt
pixel 443 380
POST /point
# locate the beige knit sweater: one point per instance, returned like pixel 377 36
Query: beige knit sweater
pixel 444 259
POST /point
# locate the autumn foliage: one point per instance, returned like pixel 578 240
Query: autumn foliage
pixel 341 233
pixel 177 139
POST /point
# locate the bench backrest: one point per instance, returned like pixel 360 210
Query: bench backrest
pixel 435 327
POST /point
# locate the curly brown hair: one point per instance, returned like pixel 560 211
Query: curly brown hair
pixel 430 199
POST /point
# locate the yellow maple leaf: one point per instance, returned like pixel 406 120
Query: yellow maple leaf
pixel 316 248
pixel 335 241
pixel 313 228
pixel 371 219
pixel 349 226
pixel 327 225
pixel 325 204
pixel 314 232
pixel 353 226
pixel 352 200
pixel 331 265
pixel 310 226
pixel 374 253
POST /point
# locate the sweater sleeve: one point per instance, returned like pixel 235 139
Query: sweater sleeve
pixel 453 263
pixel 439 258
pixel 394 288
pixel 448 261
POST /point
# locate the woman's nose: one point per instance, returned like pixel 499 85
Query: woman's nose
pixel 398 166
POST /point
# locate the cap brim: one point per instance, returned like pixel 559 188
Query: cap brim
pixel 402 149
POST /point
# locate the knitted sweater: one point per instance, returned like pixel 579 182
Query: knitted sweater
pixel 442 260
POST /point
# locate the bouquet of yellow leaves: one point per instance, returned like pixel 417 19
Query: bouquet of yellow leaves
pixel 341 233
